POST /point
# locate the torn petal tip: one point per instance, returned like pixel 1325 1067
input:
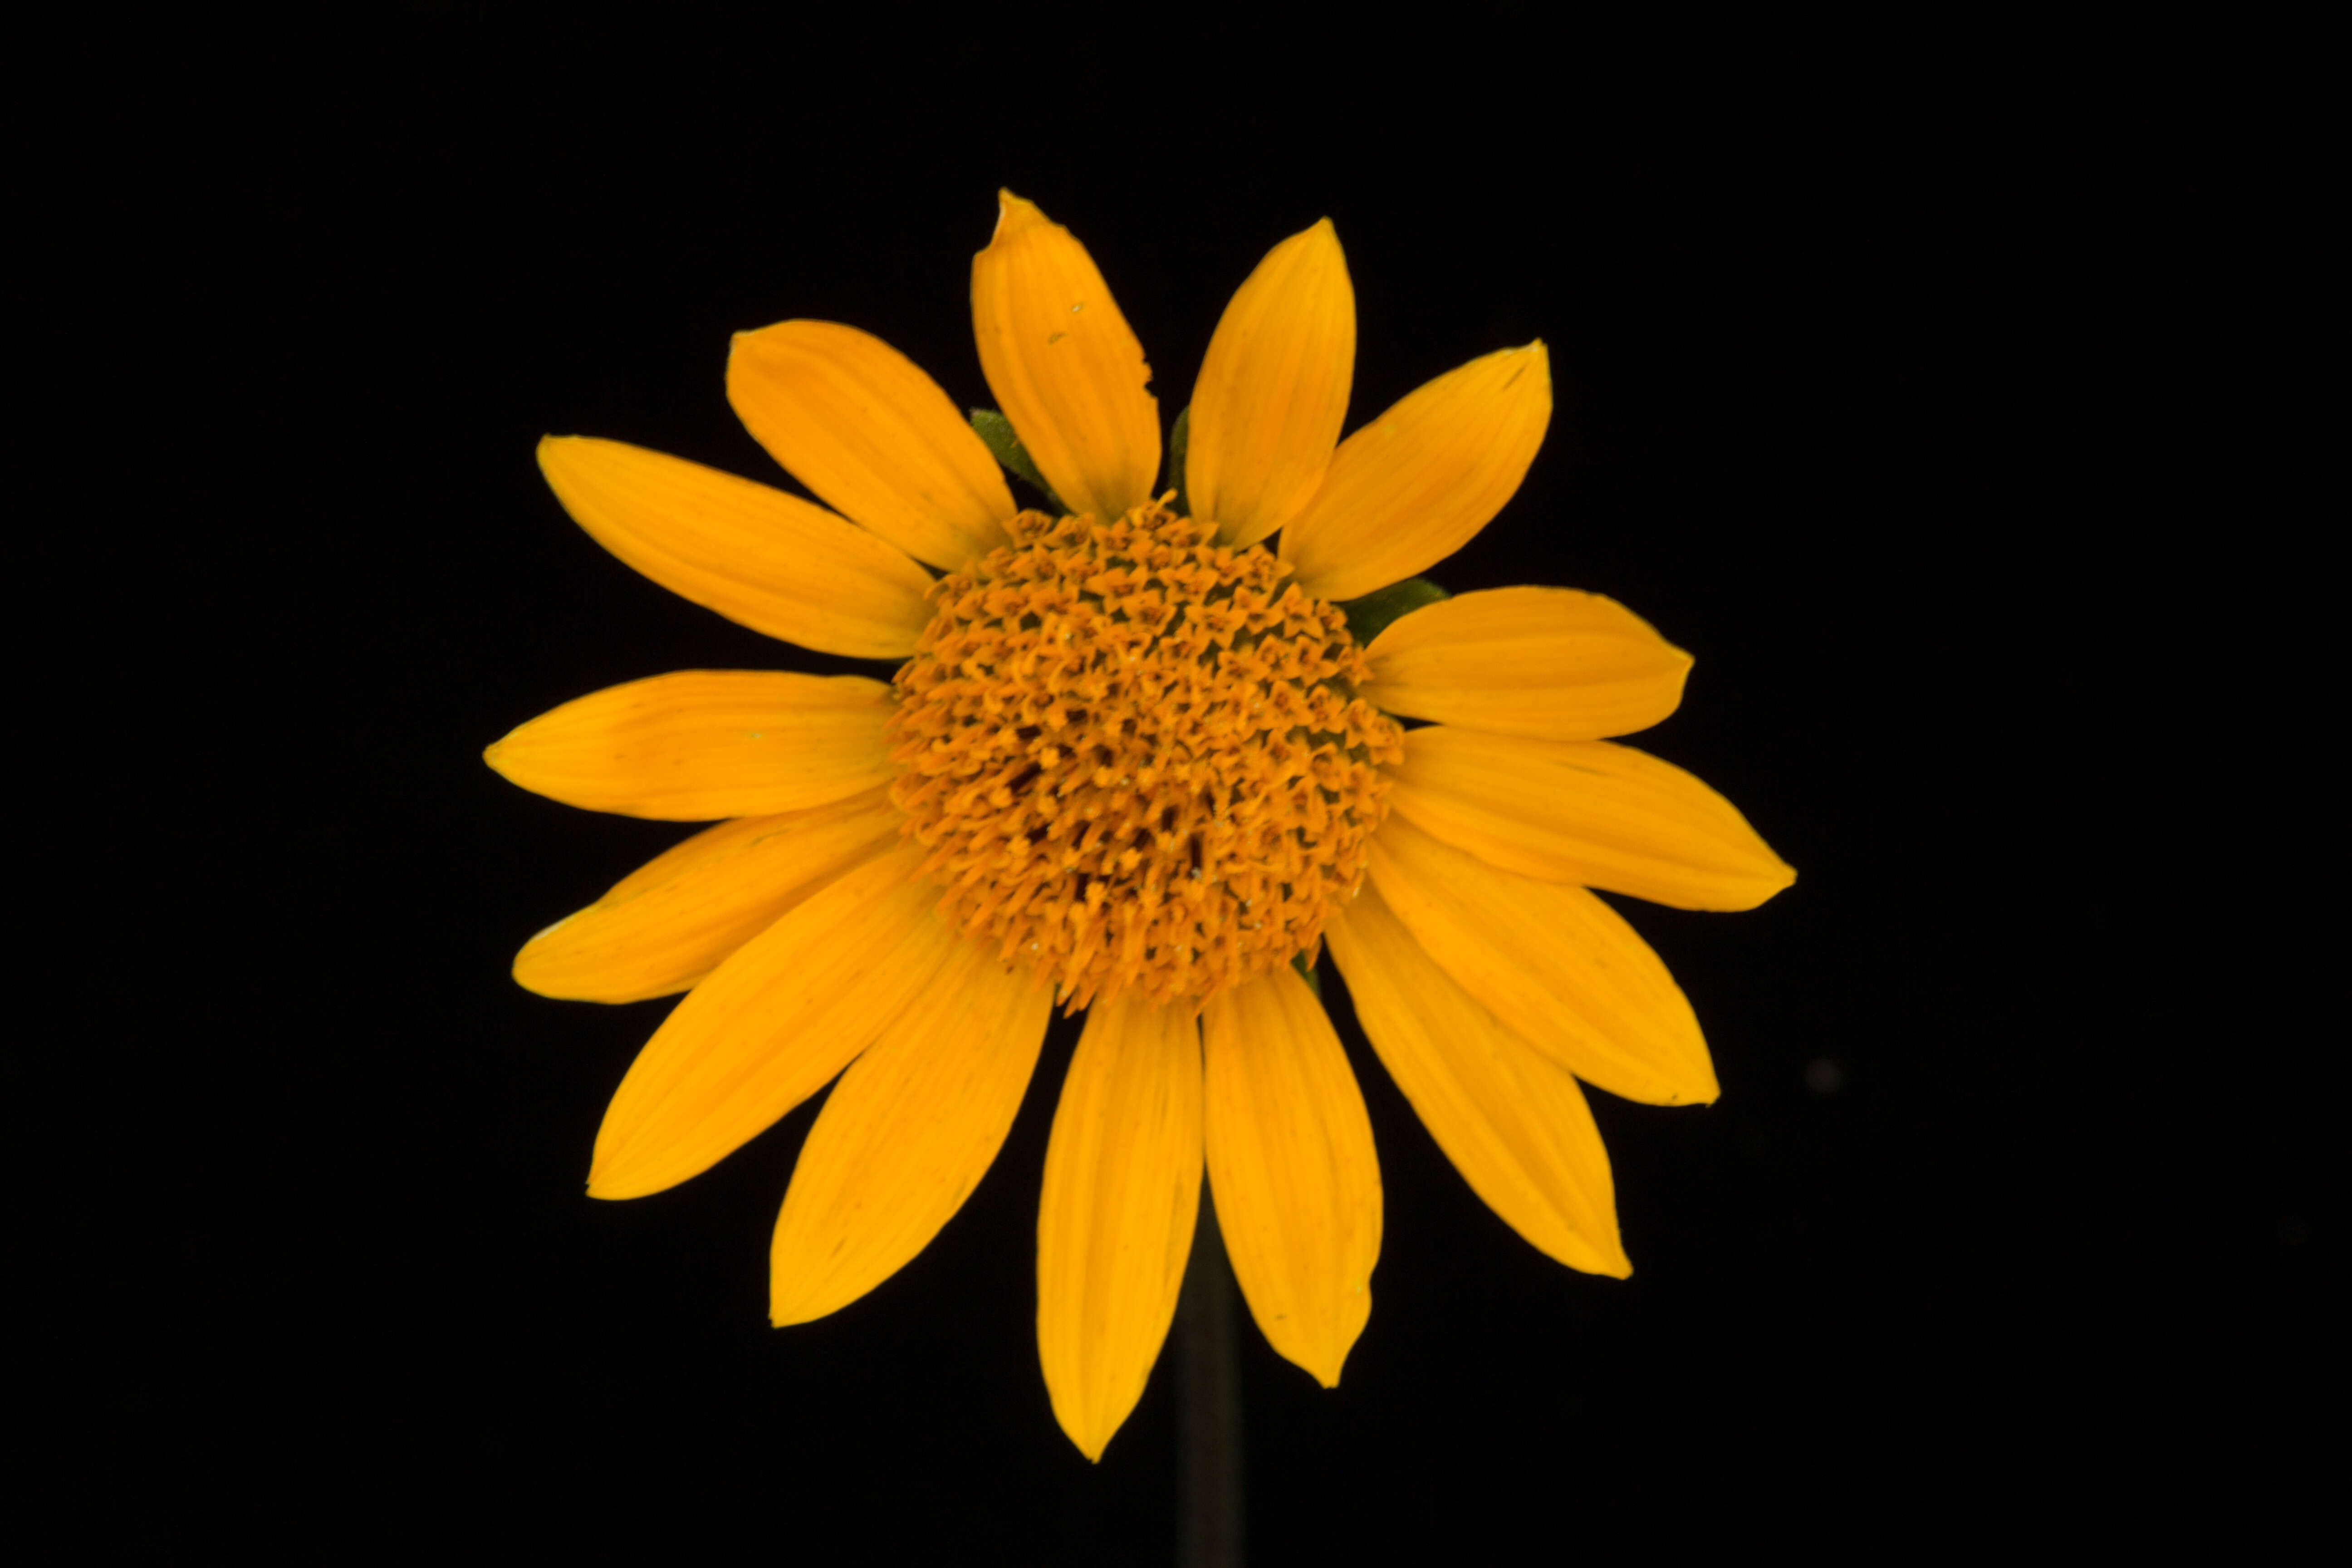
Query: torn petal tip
pixel 1014 215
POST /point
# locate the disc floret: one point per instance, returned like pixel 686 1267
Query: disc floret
pixel 1136 755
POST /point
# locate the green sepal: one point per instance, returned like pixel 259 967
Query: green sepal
pixel 1179 438
pixel 995 433
pixel 1306 973
pixel 1373 613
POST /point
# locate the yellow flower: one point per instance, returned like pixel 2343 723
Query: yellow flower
pixel 1134 762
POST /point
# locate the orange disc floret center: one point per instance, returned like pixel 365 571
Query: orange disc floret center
pixel 1137 757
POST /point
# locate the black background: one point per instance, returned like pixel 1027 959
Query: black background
pixel 1886 373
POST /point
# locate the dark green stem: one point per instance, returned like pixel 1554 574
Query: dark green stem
pixel 1208 1405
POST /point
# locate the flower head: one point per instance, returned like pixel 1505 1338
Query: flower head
pixel 1135 762
pixel 1138 756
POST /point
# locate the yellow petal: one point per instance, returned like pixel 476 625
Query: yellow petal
pixel 1585 812
pixel 1550 663
pixel 1515 1125
pixel 756 555
pixel 706 744
pixel 1291 1166
pixel 1556 966
pixel 772 1025
pixel 1413 486
pixel 1115 1224
pixel 906 1135
pixel 675 918
pixel 1064 364
pixel 862 426
pixel 1274 389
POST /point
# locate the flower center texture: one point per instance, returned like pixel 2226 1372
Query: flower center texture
pixel 1136 756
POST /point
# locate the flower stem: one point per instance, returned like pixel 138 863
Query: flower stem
pixel 1208 1405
